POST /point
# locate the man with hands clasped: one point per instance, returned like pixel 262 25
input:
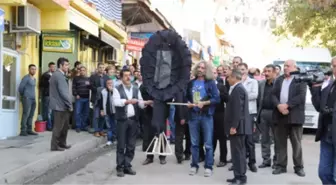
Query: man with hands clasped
pixel 238 124
pixel 289 97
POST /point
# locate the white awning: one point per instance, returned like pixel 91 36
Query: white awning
pixel 110 40
pixel 83 22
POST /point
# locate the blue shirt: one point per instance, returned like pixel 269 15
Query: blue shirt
pixel 198 92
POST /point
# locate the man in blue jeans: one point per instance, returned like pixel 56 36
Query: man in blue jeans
pixel 203 95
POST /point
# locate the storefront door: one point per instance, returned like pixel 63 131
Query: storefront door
pixel 9 104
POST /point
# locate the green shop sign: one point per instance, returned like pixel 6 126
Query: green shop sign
pixel 58 44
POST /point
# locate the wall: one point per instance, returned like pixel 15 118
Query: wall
pixel 53 56
pixel 30 47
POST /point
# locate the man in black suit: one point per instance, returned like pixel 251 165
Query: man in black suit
pixel 289 97
pixel 237 125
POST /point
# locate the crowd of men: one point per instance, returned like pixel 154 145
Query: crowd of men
pixel 234 103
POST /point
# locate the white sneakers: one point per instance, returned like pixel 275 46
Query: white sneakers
pixel 207 172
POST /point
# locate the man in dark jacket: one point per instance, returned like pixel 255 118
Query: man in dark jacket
pixel 289 97
pixel 81 91
pixel 97 81
pixel 237 126
pixel 219 122
pixel 182 129
pixel 44 87
pixel 324 100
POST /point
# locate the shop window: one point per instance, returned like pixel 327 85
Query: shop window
pixel 111 55
pixel 9 81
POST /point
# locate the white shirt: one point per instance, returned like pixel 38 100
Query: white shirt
pixel 118 102
pixel 325 83
pixel 285 90
pixel 232 87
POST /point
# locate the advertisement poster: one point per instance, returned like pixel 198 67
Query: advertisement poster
pixel 58 44
pixel 137 41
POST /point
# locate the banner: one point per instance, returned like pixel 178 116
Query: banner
pixel 137 41
pixel 58 44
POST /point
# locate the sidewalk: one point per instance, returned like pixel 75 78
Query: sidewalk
pixel 25 158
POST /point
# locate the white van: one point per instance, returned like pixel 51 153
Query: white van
pixel 306 59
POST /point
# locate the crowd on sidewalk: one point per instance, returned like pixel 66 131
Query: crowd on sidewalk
pixel 230 102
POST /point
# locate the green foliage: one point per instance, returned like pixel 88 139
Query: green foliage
pixel 316 26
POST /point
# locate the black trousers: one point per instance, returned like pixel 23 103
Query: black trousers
pixel 61 121
pixel 238 153
pixel 283 130
pixel 219 135
pixel 180 132
pixel 267 127
pixel 126 137
pixel 250 145
pixel 147 126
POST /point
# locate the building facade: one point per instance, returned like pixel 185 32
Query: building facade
pixel 38 32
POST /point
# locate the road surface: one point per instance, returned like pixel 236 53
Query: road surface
pixel 102 170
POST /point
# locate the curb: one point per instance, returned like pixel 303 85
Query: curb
pixel 35 169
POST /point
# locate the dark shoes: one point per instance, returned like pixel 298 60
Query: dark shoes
pixel 147 161
pixel 253 168
pixel 236 181
pixel 263 165
pixel 28 133
pixel 221 164
pixel 66 146
pixel 61 148
pixel 278 171
pixel 128 171
pixel 163 161
pixel 300 172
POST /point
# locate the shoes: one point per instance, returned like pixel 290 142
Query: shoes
pixel 263 165
pixel 147 161
pixel 253 168
pixel 129 171
pixel 278 171
pixel 97 134
pixel 179 161
pixel 102 134
pixel 163 161
pixel 193 171
pixel 231 168
pixel 78 130
pixel 231 180
pixel 32 133
pixel 221 164
pixel 207 172
pixel 187 157
pixel 58 149
pixel 238 182
pixel 120 173
pixel 23 134
pixel 300 173
pixel 66 146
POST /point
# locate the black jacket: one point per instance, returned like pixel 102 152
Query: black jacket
pixel 81 86
pixel 296 101
pixel 319 100
pixel 237 112
pixel 44 83
pixel 224 96
pixel 95 84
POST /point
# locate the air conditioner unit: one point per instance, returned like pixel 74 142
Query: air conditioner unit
pixel 26 19
pixel 111 55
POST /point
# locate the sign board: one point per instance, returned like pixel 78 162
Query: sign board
pixel 2 20
pixel 137 41
pixel 58 44
pixel 135 44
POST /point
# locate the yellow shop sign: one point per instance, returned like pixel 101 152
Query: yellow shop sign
pixel 58 44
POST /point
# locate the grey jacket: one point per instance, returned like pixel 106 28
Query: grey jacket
pixel 252 88
pixel 59 92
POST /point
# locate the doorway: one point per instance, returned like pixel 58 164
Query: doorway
pixel 9 104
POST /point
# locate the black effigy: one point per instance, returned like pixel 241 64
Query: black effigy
pixel 165 68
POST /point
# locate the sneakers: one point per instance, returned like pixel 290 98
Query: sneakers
pixel 193 171
pixel 109 143
pixel 207 172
